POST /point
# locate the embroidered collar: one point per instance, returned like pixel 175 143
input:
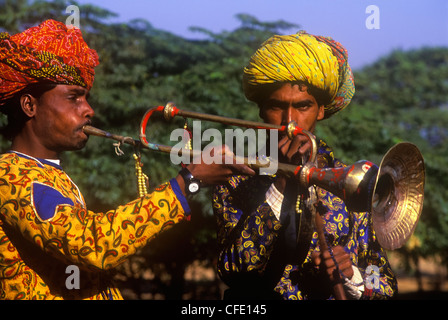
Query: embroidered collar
pixel 40 162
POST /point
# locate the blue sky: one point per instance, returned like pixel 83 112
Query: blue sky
pixel 403 24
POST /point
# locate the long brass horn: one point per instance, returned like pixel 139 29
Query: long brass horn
pixel 170 111
pixel 393 192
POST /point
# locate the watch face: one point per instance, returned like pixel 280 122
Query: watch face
pixel 193 187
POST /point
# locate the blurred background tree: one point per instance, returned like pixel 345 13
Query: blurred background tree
pixel 402 96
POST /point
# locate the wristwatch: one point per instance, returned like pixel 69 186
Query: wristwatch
pixel 192 185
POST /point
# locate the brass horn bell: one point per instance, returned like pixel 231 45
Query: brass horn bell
pixel 393 192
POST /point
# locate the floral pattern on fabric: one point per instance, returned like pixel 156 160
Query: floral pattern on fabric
pixel 34 253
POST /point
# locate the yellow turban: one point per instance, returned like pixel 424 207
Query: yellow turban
pixel 318 61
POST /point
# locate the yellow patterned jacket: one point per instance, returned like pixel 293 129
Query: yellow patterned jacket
pixel 46 230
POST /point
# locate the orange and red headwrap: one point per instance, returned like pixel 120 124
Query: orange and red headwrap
pixel 50 52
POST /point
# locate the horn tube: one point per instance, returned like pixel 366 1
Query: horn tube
pixel 170 111
pixel 392 192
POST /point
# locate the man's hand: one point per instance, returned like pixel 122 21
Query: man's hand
pixel 291 151
pixel 326 262
pixel 218 170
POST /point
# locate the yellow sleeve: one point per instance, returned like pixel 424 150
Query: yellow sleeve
pixel 102 240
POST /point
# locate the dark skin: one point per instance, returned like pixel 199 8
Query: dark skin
pixel 55 124
pixel 292 103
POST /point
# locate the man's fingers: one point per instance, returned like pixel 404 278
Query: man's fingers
pixel 242 169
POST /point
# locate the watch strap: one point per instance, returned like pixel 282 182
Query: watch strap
pixel 189 179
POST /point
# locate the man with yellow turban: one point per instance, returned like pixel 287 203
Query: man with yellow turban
pixel 268 248
pixel 46 230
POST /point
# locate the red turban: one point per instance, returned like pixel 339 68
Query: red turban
pixel 49 52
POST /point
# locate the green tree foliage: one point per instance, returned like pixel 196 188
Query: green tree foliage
pixel 402 96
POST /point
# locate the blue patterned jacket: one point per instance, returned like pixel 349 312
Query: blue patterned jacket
pixel 258 260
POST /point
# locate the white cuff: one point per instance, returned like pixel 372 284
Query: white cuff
pixel 274 198
pixel 355 286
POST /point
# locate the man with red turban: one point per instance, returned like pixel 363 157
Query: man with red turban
pixel 46 230
pixel 51 52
